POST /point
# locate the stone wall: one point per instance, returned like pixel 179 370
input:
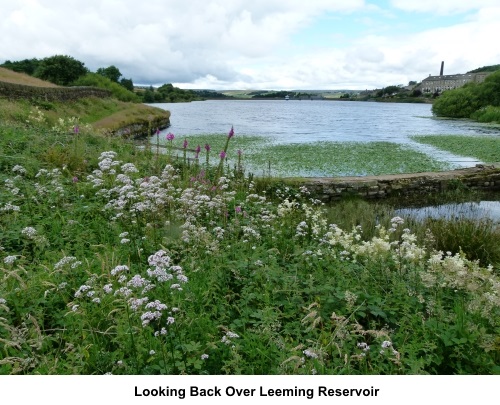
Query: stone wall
pixel 13 91
pixel 485 178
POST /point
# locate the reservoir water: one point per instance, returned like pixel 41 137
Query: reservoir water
pixel 309 121
pixel 336 121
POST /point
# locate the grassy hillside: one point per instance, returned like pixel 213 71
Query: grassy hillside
pixel 106 114
pixel 10 76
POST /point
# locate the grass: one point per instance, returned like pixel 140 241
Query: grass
pixel 484 148
pixel 117 260
pixel 104 114
pixel 9 76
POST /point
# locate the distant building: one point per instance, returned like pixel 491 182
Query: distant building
pixel 438 84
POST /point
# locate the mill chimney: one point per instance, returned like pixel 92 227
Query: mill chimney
pixel 442 69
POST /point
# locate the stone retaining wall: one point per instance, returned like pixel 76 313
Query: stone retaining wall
pixel 481 177
pixel 13 91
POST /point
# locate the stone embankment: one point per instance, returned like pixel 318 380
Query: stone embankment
pixel 14 91
pixel 481 177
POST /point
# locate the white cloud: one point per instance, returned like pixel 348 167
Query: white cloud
pixel 248 44
pixel 443 6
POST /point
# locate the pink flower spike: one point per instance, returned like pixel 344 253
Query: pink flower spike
pixel 170 136
pixel 222 155
pixel 239 152
pixel 76 129
pixel 231 133
pixel 207 147
pixel 75 179
pixel 198 148
pixel 157 131
pixel 185 144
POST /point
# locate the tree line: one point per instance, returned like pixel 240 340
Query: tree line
pixel 65 70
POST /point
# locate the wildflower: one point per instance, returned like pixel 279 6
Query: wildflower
pixel 2 301
pixel 152 352
pixel 9 259
pixel 119 269
pixel 397 221
pixel 222 155
pixel 129 168
pixel 231 133
pixel 170 320
pixel 207 147
pixel 74 308
pixel 75 179
pixel 364 346
pixel 204 356
pixel 76 129
pixel 311 354
pixel 29 232
pixel 239 152
pixel 170 136
pixel 185 144
pixel 386 344
pixel 228 336
pixel 19 169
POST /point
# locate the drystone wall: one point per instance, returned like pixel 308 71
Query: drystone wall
pixel 13 91
pixel 481 177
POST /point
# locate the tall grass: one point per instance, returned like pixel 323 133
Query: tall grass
pixel 130 262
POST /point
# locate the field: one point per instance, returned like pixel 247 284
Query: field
pixel 116 260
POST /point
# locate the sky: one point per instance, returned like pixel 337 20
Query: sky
pixel 258 44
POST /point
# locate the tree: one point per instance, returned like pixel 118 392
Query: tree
pixel 127 83
pixel 60 69
pixel 27 66
pixel 391 89
pixel 111 72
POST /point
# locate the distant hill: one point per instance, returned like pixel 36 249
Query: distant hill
pixel 491 68
pixel 9 76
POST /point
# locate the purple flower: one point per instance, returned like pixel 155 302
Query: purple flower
pixel 185 144
pixel 76 129
pixel 75 179
pixel 157 131
pixel 207 147
pixel 239 152
pixel 237 208
pixel 222 154
pixel 198 148
pixel 170 136
pixel 231 133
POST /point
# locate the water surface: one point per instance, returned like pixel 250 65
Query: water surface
pixel 309 121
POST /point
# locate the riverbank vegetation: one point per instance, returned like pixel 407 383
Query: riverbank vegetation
pixel 127 261
pixel 263 157
pixel 483 148
pixel 480 101
pixel 106 115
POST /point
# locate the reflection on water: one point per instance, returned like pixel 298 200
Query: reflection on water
pixel 468 210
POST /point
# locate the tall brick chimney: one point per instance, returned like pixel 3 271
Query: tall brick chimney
pixel 442 69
